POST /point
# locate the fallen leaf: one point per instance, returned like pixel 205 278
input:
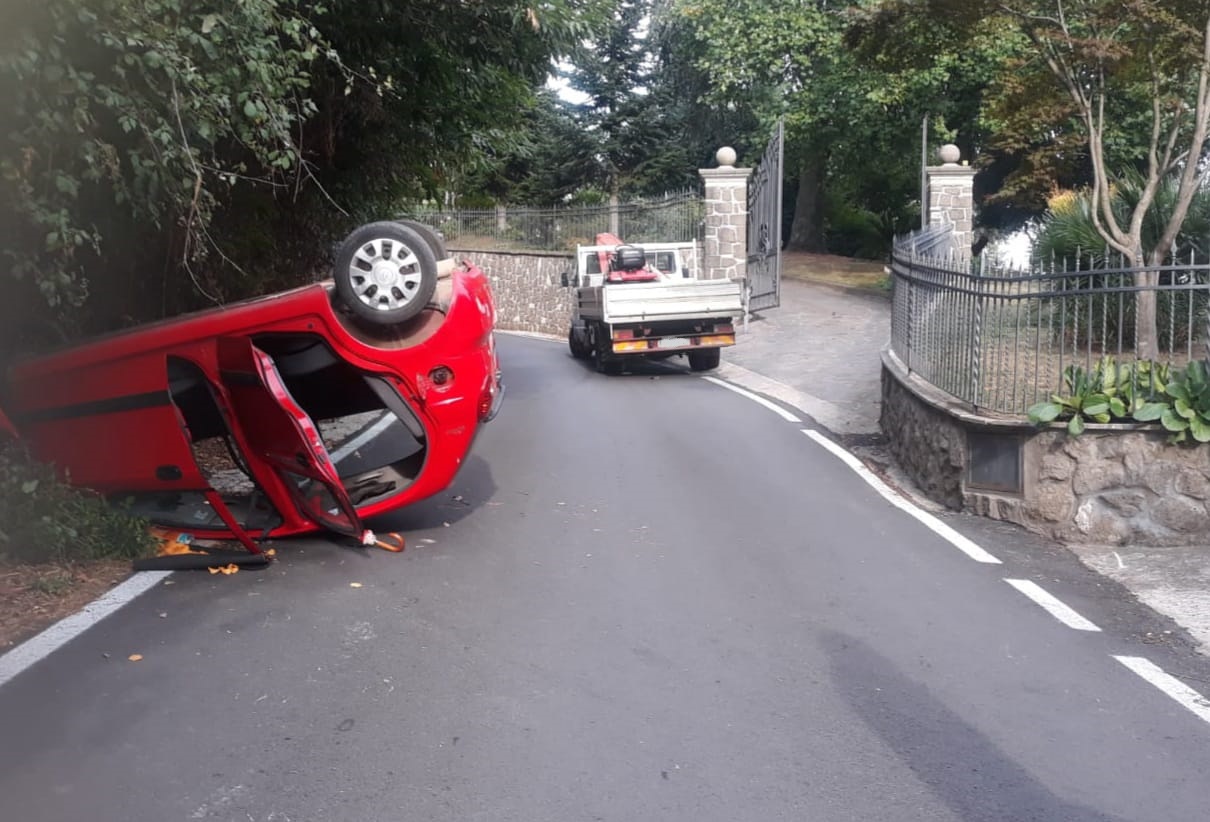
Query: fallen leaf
pixel 135 657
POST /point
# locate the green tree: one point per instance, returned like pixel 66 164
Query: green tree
pixel 163 153
pixel 1112 86
pixel 128 118
pixel 1144 50
pixel 778 60
pixel 613 70
pixel 852 116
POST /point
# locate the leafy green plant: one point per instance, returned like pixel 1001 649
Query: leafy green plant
pixel 1189 411
pixel 1129 391
pixel 1090 395
pixel 44 520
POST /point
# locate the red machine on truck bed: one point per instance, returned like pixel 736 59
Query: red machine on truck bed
pixel 219 423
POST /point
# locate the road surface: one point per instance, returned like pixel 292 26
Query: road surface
pixel 646 597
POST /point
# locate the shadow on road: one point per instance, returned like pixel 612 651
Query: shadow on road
pixel 964 768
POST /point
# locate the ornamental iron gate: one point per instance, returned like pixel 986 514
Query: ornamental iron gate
pixel 764 227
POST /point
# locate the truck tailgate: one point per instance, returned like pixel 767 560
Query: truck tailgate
pixel 672 300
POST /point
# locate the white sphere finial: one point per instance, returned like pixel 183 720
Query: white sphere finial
pixel 949 154
pixel 725 157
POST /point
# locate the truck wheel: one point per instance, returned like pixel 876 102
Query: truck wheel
pixel 704 359
pixel 578 349
pixel 604 359
pixel 385 273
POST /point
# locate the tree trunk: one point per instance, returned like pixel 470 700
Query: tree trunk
pixel 1146 332
pixel 806 231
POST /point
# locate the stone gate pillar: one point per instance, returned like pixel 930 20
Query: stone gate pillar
pixel 726 251
pixel 951 198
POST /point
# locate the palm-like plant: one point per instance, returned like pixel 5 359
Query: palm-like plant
pixel 1068 240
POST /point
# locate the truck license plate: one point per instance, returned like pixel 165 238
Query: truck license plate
pixel 675 342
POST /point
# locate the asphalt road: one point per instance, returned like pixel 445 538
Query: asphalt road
pixel 645 598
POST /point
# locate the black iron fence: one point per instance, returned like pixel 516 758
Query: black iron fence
pixel 999 338
pixel 676 217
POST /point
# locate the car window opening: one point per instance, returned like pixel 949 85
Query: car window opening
pixel 374 438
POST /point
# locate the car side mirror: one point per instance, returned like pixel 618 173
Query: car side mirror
pixel 565 278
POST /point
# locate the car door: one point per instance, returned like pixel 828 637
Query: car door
pixel 281 434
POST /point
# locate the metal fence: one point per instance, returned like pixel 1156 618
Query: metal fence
pixel 676 217
pixel 999 338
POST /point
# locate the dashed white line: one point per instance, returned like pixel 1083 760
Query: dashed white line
pixel 935 525
pixel 56 636
pixel 1169 684
pixel 1052 605
pixel 772 406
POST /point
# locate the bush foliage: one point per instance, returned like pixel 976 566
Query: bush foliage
pixel 44 520
pixel 163 155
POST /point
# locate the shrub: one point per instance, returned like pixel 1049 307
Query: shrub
pixel 45 520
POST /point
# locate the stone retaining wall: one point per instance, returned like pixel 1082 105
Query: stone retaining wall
pixel 527 288
pixel 1113 485
pixel 928 444
pixel 1119 487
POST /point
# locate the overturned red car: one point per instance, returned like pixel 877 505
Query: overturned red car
pixel 306 410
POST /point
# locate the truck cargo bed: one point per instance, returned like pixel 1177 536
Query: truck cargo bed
pixel 638 302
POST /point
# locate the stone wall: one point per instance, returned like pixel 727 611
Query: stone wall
pixel 929 446
pixel 1113 485
pixel 1118 485
pixel 527 288
pixel 951 198
pixel 726 200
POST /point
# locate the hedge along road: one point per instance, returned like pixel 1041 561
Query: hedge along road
pixel 646 597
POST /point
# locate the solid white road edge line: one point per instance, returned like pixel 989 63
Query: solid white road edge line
pixel 928 520
pixel 65 630
pixel 1169 684
pixel 1052 605
pixel 772 406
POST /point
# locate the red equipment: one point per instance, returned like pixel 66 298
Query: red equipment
pixel 626 263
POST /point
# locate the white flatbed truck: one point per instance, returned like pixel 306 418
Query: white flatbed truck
pixel 635 301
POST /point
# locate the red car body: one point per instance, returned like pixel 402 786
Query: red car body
pixel 131 414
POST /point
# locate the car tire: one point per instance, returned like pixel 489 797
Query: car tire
pixel 385 273
pixel 431 236
pixel 704 359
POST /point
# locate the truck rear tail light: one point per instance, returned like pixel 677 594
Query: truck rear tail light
pixel 724 328
pixel 623 334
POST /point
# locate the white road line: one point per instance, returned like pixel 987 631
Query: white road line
pixel 1052 605
pixel 65 630
pixel 1169 684
pixel 772 406
pixel 364 437
pixel 928 520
